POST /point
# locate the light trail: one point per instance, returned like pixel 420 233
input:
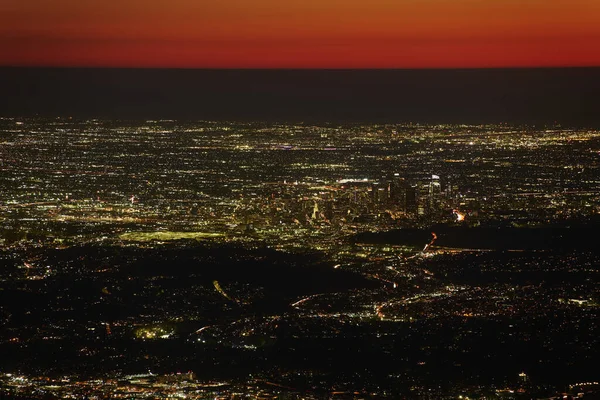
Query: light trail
pixel 305 299
pixel 379 307
pixel 222 292
pixel 276 384
pixel 376 276
pixel 430 243
pixel 203 328
pixel 39 203
pixel 396 271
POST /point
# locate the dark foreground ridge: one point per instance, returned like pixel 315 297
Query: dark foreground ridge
pixel 234 314
pixel 566 238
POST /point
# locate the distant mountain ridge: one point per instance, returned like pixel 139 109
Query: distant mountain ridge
pixel 544 96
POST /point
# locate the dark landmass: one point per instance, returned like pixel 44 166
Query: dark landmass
pixel 92 284
pixel 566 96
pixel 578 236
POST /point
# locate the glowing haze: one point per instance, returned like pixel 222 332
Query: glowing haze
pixel 300 33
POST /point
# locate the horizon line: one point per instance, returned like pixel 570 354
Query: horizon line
pixel 91 67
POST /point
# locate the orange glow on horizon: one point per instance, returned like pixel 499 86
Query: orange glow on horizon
pixel 300 33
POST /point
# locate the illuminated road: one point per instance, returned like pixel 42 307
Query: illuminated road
pixel 378 308
pixel 222 292
pixel 430 243
pixel 305 299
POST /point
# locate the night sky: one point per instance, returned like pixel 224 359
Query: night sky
pixel 300 33
pixel 476 58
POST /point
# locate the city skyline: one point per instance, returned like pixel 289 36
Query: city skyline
pixel 306 261
pixel 300 199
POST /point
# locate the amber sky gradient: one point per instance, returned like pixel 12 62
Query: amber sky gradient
pixel 300 33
